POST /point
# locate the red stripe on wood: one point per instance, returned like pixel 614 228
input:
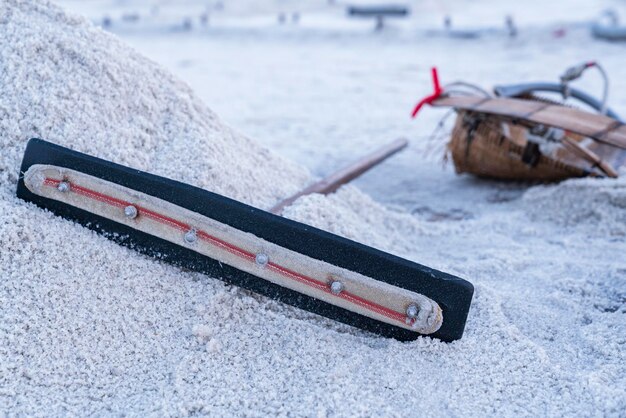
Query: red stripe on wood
pixel 233 249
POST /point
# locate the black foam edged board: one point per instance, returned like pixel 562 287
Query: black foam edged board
pixel 453 294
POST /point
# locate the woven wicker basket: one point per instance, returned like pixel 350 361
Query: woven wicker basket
pixel 488 146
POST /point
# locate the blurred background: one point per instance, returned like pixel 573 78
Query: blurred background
pixel 323 81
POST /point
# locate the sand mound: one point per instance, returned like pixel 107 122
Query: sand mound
pixel 68 82
pixel 598 206
pixel 82 331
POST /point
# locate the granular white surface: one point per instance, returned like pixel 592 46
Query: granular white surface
pixel 88 327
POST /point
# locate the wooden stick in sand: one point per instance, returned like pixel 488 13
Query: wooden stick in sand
pixel 337 179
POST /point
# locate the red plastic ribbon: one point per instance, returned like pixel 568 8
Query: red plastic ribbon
pixel 438 91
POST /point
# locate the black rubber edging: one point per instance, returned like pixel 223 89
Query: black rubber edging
pixel 453 294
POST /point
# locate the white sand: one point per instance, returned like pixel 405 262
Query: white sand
pixel 88 327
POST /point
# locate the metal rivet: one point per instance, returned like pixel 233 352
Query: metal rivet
pixel 262 259
pixel 64 186
pixel 412 311
pixel 130 212
pixel 336 287
pixel 191 236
